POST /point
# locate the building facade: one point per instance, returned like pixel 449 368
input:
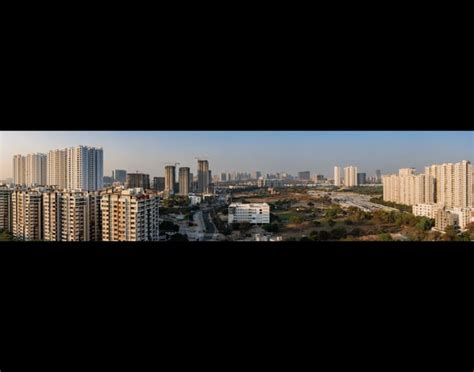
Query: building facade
pixel 57 169
pixel 304 176
pixel 159 183
pixel 170 179
pixel 119 175
pixel 361 178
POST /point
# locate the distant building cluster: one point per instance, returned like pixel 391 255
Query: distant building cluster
pixel 74 168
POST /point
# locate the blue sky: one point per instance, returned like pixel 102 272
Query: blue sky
pixel 280 151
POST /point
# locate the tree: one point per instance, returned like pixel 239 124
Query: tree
pixel 338 233
pixel 310 204
pixel 330 222
pixel 245 226
pixel 296 219
pixel 348 221
pixel 356 232
pixel 470 227
pixel 450 233
pixel 385 237
pixel 168 226
pixel 323 235
pixel 314 235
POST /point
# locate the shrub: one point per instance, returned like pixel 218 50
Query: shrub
pixel 385 237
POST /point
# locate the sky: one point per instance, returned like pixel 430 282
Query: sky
pixel 249 151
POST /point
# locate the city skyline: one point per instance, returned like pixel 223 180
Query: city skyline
pixel 247 151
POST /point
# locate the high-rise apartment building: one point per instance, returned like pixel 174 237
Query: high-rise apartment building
pixel 135 180
pixel 378 176
pixel 85 168
pixel 130 215
pixel 119 175
pixel 19 170
pixel 71 216
pixel 27 215
pixel 223 177
pixel 30 170
pixel 57 169
pixel 184 173
pixel 203 176
pixel 6 209
pixel 337 176
pixel 170 178
pixel 350 176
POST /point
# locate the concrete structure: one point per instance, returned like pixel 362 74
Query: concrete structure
pixel 135 180
pixel 361 178
pixel 119 175
pixel 6 208
pixel 57 169
pixel 254 213
pixel 85 168
pixel 350 176
pixel 203 176
pixel 378 176
pixel 184 174
pixel 130 215
pixel 445 218
pixel 27 215
pixel 223 177
pixel 107 181
pixel 170 179
pixel 195 199
pixel 258 174
pixel 337 176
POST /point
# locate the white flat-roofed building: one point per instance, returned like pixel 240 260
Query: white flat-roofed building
pixel 255 213
pixel 426 210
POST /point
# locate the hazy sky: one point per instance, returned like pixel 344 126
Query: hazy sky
pixel 269 152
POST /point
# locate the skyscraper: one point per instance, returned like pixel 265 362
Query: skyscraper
pixel 184 173
pixel 137 180
pixel 304 176
pixel 337 176
pixel 170 178
pixel 57 168
pixel 119 175
pixel 203 176
pixel 223 177
pixel 30 170
pixel 350 176
pixel 378 176
pixel 85 168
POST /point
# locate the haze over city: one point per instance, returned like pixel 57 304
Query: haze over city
pixel 247 151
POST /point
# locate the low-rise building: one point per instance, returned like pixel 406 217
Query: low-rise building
pixel 426 210
pixel 255 213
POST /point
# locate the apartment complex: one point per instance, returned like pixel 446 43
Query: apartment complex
pixel 85 168
pixel 27 215
pixel 304 176
pixel 184 181
pixel 5 209
pixel 350 176
pixel 130 215
pixel 270 182
pixel 254 213
pixel 337 176
pixel 449 185
pixel 119 175
pixel 159 183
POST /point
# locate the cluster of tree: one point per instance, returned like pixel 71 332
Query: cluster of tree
pixel 5 235
pixel 272 227
pixel 243 227
pixel 168 226
pixel 178 238
pixel 337 233
pixel 400 207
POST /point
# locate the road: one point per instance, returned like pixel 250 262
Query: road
pixel 347 199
